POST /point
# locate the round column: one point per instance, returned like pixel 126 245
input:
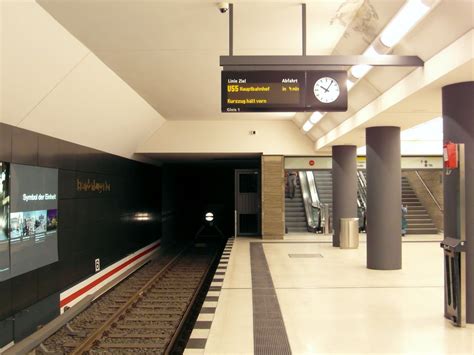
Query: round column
pixel 458 127
pixel 344 186
pixel 384 198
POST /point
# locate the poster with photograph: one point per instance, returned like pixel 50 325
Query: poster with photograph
pixel 33 218
pixel 4 221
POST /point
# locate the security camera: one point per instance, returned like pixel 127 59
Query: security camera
pixel 223 7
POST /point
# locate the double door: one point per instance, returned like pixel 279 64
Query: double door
pixel 247 202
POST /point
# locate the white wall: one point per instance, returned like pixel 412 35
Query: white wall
pixel 52 84
pixel 229 136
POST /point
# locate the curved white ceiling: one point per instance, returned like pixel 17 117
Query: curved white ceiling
pixel 107 73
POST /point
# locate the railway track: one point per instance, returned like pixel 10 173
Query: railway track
pixel 142 315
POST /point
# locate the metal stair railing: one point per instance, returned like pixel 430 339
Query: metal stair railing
pixel 429 191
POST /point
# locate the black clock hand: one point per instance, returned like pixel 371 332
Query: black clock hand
pixel 323 88
pixel 329 86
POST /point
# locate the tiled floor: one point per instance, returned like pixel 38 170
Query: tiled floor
pixel 334 304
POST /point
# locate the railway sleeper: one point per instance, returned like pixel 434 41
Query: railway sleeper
pixel 75 332
pixel 163 335
pixel 166 305
pixel 141 345
pixel 157 325
pixel 142 312
pixel 161 298
pixel 162 318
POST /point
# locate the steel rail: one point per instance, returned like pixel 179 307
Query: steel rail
pixel 90 341
pixel 28 344
pixel 171 345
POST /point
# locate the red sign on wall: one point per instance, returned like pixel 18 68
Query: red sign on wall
pixel 311 162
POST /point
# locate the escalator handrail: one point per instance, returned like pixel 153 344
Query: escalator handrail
pixel 316 202
pixel 363 188
pixel 307 200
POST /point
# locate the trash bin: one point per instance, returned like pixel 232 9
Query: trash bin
pixel 349 233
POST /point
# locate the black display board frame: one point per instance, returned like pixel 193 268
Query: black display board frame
pixel 240 91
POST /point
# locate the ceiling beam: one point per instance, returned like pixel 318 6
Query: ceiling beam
pixel 320 60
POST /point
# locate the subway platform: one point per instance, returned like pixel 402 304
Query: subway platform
pixel 303 296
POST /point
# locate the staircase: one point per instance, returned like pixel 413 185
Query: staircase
pixel 419 222
pixel 295 217
pixel 323 179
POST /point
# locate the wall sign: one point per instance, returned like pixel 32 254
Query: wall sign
pixel 325 162
pixel 93 185
pixel 283 91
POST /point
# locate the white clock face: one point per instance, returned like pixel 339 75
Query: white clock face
pixel 326 90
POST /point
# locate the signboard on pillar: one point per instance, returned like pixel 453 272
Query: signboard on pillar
pixel 361 163
pixel 308 163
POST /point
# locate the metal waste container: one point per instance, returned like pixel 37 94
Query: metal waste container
pixel 349 233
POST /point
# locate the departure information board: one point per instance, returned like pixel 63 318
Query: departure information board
pixel 283 91
pixel 266 91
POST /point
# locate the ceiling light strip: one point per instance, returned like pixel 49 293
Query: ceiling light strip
pixel 410 14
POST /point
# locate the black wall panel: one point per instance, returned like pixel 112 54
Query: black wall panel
pixel 24 147
pixel 5 299
pixel 91 224
pixel 5 142
pixel 6 331
pixel 67 155
pixel 27 320
pixel 48 152
pixel 24 290
pixel 48 280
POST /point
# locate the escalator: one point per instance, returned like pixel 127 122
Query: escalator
pixel 419 221
pixel 305 212
pixel 362 199
pixel 295 217
pixel 323 183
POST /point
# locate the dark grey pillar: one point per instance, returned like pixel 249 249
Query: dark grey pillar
pixel 458 126
pixel 344 186
pixel 384 198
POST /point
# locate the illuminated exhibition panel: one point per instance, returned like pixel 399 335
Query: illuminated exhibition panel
pixel 4 221
pixel 28 218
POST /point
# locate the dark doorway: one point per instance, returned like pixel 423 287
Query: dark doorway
pixel 247 201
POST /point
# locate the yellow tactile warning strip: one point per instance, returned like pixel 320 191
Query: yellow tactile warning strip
pixel 269 332
pixel 199 335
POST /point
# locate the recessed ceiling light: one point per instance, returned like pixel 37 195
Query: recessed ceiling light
pixel 360 70
pixel 307 126
pixel 403 22
pixel 349 84
pixel 316 117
